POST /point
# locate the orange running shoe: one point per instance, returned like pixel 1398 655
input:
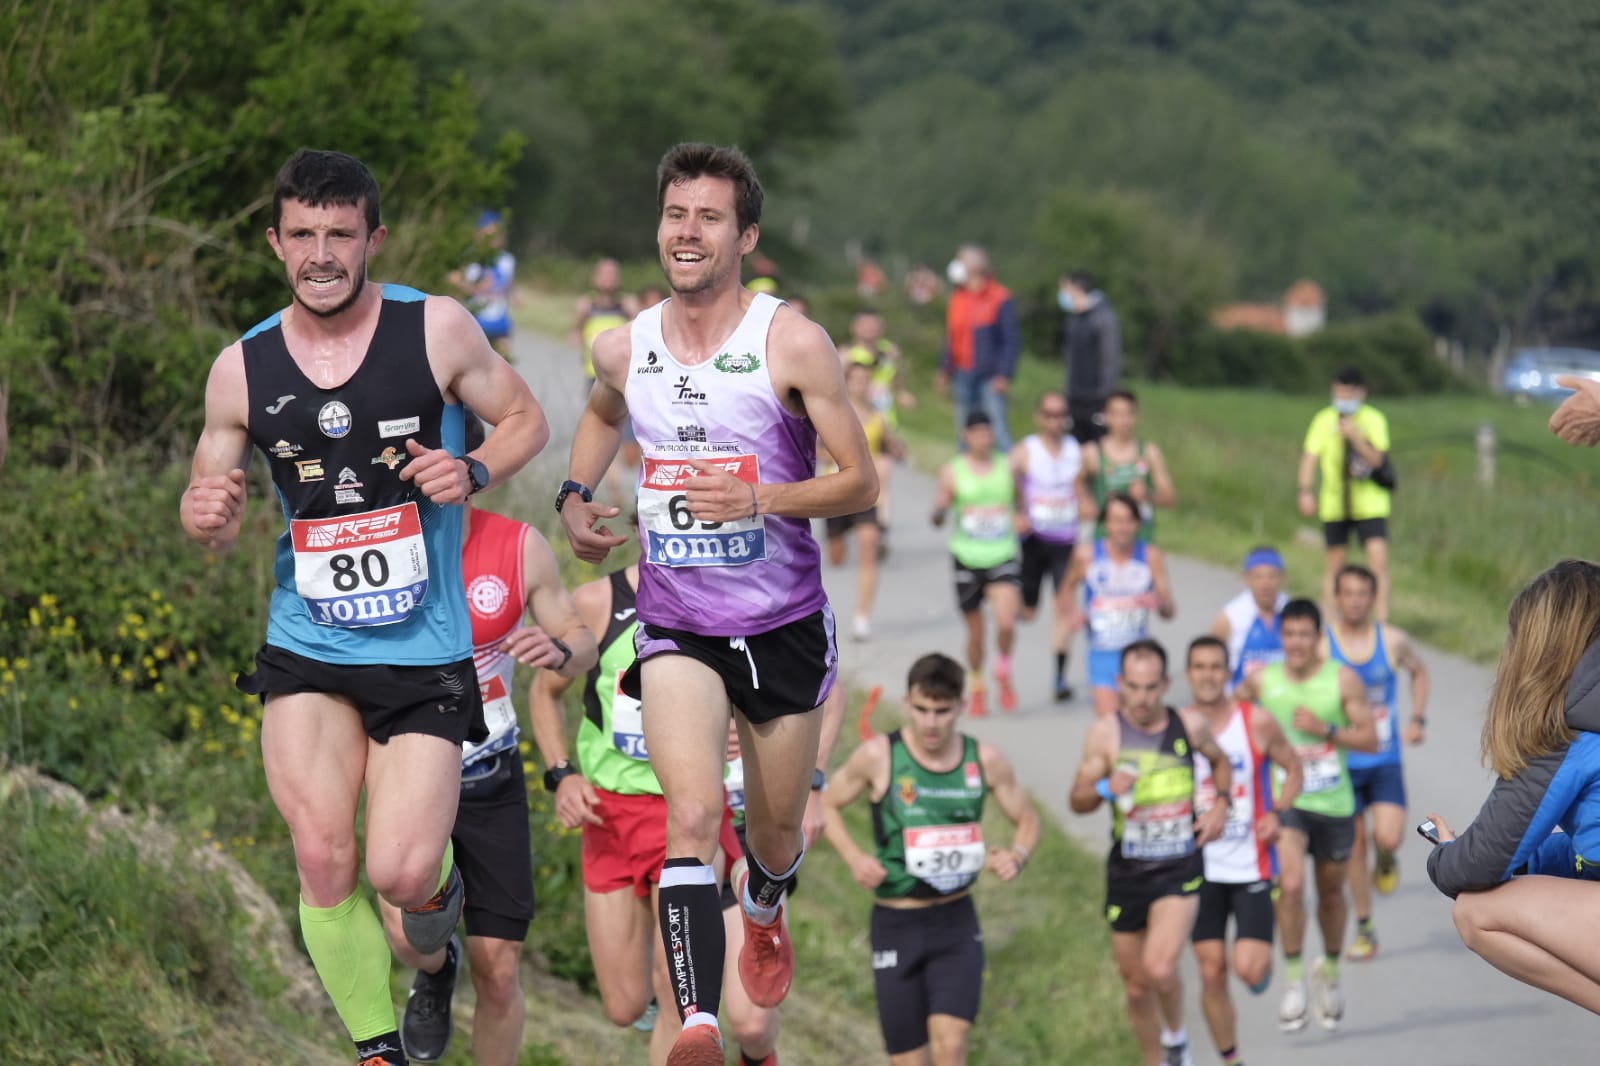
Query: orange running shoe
pixel 977 704
pixel 698 1045
pixel 766 962
pixel 1008 695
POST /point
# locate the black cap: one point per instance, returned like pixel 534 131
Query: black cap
pixel 979 418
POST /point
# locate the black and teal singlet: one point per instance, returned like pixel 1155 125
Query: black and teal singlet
pixel 1155 834
pixel 927 826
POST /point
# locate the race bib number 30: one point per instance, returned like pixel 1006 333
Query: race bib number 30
pixel 368 569
pixel 674 537
pixel 948 857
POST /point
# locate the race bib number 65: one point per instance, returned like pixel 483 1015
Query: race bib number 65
pixel 674 537
pixel 368 569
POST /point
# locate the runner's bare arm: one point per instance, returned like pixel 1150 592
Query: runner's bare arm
pixel 1166 493
pixel 554 616
pixel 1007 791
pixel 1077 572
pixel 1209 826
pixel 858 775
pixel 1098 752
pixel 580 315
pixel 1362 734
pixel 1166 606
pixel 1405 655
pixel 813 822
pixel 595 444
pixel 805 371
pixel 1018 462
pixel 1247 690
pixel 1221 628
pixel 944 495
pixel 1084 490
pixel 1271 739
pixel 469 371
pixel 575 797
pixel 212 507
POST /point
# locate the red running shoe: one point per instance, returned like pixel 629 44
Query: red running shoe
pixel 977 704
pixel 698 1045
pixel 766 962
pixel 1008 695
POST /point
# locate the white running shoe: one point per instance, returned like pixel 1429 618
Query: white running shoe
pixel 1329 1000
pixel 1292 1008
pixel 1178 1055
pixel 862 629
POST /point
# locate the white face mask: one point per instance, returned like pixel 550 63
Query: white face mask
pixel 956 272
pixel 1346 407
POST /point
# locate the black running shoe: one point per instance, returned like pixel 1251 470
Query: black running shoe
pixel 427 1026
pixel 1064 692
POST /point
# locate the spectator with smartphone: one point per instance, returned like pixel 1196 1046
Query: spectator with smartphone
pixel 1521 888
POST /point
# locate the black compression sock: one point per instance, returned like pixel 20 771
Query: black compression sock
pixel 692 933
pixel 387 1047
pixel 746 1060
pixel 766 888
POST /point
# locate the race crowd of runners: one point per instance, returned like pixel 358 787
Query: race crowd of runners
pixel 702 769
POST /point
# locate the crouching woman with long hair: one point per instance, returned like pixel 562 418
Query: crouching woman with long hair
pixel 1527 897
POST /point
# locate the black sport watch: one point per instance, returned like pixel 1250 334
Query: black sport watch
pixel 554 775
pixel 568 488
pixel 477 475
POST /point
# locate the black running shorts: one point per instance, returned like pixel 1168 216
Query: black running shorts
pixel 970 583
pixel 788 670
pixel 439 701
pixel 494 851
pixel 925 960
pixel 1328 838
pixel 1041 557
pixel 1128 899
pixel 1250 904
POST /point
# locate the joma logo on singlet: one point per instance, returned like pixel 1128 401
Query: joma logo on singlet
pixel 701 549
pixel 343 612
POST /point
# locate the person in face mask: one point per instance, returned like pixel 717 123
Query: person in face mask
pixel 1347 444
pixel 1091 353
pixel 983 341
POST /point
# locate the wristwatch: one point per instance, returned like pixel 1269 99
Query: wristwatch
pixel 477 474
pixel 1332 729
pixel 819 780
pixel 566 654
pixel 568 488
pixel 553 776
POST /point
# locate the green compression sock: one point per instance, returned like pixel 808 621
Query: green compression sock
pixel 347 946
pixel 449 861
pixel 1293 969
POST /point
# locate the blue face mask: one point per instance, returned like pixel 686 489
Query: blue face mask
pixel 1347 407
pixel 1064 300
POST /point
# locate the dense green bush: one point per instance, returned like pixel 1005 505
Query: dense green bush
pixel 1394 351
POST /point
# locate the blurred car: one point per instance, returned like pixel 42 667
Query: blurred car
pixel 1531 372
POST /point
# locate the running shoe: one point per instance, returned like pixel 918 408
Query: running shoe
pixel 426 1029
pixel 861 629
pixel 1363 947
pixel 698 1045
pixel 1386 877
pixel 1292 1008
pixel 430 926
pixel 646 1022
pixel 766 962
pixel 978 704
pixel 1329 1000
pixel 382 1060
pixel 1008 695
pixel 1178 1055
pixel 1064 692
pixel 770 1060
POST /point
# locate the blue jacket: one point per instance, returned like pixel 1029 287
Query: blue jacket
pixel 1514 832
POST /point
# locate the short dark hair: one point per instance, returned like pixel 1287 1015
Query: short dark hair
pixel 1082 279
pixel 1359 571
pixel 1205 641
pixel 1147 646
pixel 1302 608
pixel 977 418
pixel 696 159
pixel 320 178
pixel 1123 498
pixel 1350 375
pixel 1121 394
pixel 940 676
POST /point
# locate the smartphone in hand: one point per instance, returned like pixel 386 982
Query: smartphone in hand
pixel 1428 831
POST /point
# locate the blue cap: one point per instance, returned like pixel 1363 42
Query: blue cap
pixel 488 218
pixel 1263 557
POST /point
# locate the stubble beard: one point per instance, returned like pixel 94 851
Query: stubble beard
pixel 358 284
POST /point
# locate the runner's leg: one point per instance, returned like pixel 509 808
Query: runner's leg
pixel 1360 873
pixel 1215 1000
pixel 1128 948
pixel 779 757
pixel 1377 552
pixel 754 1029
pixel 413 786
pixel 1336 558
pixel 1171 922
pixel 497 1021
pixel 868 536
pixel 314 752
pixel 1332 912
pixel 947 1039
pixel 1291 893
pixel 621 928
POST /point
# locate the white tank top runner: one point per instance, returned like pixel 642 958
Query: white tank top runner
pixel 1237 857
pixel 1049 489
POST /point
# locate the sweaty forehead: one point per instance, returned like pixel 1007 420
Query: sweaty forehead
pixel 331 216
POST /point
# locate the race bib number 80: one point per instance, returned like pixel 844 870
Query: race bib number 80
pixel 368 569
pixel 674 537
